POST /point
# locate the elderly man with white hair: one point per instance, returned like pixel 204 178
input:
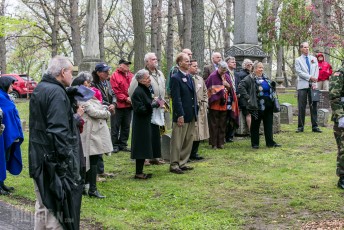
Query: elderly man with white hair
pixel 216 58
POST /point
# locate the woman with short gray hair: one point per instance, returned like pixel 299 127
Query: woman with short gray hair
pixel 142 133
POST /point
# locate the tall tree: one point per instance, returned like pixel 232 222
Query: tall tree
pixel 139 33
pixel 187 23
pixel 169 39
pixel 197 31
pixel 75 31
pixel 2 41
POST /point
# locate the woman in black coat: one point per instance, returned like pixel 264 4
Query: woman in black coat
pixel 142 135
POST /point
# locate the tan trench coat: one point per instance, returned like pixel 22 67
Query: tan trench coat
pixel 201 126
pixel 95 138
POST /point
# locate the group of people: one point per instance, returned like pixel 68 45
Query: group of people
pixel 69 118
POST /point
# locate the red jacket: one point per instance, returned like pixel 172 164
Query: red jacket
pixel 120 82
pixel 325 69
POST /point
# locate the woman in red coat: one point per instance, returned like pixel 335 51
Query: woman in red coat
pixel 325 71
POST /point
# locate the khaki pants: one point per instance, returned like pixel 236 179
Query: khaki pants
pixel 323 85
pixel 44 219
pixel 181 144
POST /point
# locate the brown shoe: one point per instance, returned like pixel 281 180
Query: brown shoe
pixel 176 171
pixel 100 179
pixel 155 162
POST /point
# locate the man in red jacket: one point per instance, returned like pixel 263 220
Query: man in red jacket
pixel 120 81
pixel 325 71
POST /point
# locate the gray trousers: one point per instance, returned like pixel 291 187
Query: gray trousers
pixel 302 96
pixel 44 219
pixel 181 144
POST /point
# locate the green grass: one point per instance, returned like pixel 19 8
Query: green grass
pixel 288 97
pixel 234 188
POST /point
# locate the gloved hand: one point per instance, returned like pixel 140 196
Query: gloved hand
pixel 155 104
pixel 341 122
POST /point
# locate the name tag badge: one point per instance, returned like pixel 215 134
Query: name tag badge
pixel 184 79
pixel 342 99
pixel 199 85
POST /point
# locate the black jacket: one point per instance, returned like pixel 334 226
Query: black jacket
pixel 54 161
pixel 184 99
pixel 141 140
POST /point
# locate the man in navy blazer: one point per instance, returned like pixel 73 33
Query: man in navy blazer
pixel 307 70
pixel 184 105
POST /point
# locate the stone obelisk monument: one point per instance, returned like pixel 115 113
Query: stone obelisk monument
pixel 91 50
pixel 245 33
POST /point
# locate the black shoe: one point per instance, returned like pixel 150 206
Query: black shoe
pixel 3 192
pixel 274 145
pixel 95 194
pixel 177 171
pixel 125 149
pixel 7 188
pixel 115 149
pixel 299 130
pixel 316 130
pixel 255 147
pixel 196 158
pixel 229 140
pixel 340 183
pixel 186 168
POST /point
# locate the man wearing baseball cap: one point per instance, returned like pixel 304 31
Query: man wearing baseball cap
pixel 120 81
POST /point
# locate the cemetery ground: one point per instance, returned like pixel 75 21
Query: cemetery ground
pixel 293 187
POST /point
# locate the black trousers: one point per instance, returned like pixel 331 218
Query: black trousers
pixel 302 96
pixel 230 130
pixel 194 150
pixel 120 132
pixel 139 166
pixel 267 117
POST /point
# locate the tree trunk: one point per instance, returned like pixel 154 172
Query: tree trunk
pixel 75 32
pixel 139 33
pixel 180 24
pixel 154 26
pixel 159 37
pixel 169 39
pixel 279 60
pixel 187 19
pixel 2 42
pixel 197 38
pixel 55 29
pixel 284 69
pixel 101 30
pixel 227 30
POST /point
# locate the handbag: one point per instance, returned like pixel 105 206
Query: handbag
pixel 158 117
pixel 315 95
pixel 277 106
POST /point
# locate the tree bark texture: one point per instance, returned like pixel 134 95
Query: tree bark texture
pixel 75 32
pixel 197 31
pixel 2 42
pixel 55 29
pixel 187 19
pixel 169 40
pixel 139 33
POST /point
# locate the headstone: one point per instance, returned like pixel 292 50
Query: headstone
pixel 245 33
pixel 323 115
pixel 324 102
pixel 276 125
pixel 165 146
pixel 286 113
pixel 91 51
pixel 23 124
pixel 242 129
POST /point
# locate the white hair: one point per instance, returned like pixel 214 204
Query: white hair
pixel 139 75
pixel 148 55
pixel 245 62
pixel 223 65
pixel 56 65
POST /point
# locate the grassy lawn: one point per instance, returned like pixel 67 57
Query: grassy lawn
pixel 234 188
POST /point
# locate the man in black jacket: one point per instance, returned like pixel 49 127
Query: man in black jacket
pixel 54 161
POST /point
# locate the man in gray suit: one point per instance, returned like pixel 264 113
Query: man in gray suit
pixel 209 69
pixel 307 70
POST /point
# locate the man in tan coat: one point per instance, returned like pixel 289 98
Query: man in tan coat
pixel 201 125
pixel 209 69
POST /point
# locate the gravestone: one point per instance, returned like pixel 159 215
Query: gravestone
pixel 324 102
pixel 323 115
pixel 286 113
pixel 165 146
pixel 91 51
pixel 245 43
pixel 276 125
